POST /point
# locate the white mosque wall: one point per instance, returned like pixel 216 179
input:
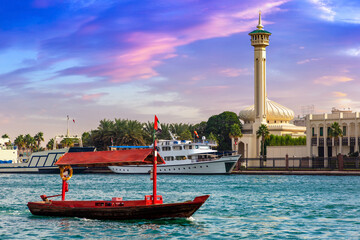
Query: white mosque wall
pixel 282 151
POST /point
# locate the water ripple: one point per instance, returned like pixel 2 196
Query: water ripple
pixel 240 207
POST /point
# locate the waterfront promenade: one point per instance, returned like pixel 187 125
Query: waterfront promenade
pixel 297 172
pixel 333 166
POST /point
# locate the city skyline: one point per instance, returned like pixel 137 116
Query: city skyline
pixel 181 60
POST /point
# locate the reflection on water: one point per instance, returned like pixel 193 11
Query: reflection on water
pixel 249 207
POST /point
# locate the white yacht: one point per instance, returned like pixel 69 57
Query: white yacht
pixel 185 157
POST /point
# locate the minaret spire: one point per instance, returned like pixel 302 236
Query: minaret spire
pixel 260 40
pixel 260 26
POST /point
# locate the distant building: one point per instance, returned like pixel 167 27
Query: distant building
pixel 299 121
pixel 318 141
pixel 4 141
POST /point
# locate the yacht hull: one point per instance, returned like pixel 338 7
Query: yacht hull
pixel 224 165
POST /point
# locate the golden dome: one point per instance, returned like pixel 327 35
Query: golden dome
pixel 274 112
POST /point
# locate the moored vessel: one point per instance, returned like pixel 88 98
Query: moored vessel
pixel 185 157
pixel 151 207
pixel 39 162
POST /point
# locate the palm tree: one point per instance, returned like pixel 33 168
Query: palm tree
pixel 264 133
pixel 235 132
pixel 131 132
pixel 179 129
pixel 164 134
pixel 39 137
pixel 69 142
pixel 86 139
pixel 50 144
pixel 101 137
pixel 335 132
pixel 29 142
pixel 20 142
pixel 148 129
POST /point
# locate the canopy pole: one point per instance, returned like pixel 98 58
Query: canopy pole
pixel 154 171
pixel 63 190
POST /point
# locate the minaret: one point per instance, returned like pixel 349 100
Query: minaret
pixel 260 40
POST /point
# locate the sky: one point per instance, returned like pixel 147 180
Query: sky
pixel 183 60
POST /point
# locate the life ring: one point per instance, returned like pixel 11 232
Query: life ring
pixel 64 169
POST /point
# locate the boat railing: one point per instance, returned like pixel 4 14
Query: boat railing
pixel 182 142
pixel 215 156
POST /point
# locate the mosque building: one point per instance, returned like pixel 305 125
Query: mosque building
pixel 264 111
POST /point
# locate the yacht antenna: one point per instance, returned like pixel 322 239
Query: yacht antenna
pixel 172 136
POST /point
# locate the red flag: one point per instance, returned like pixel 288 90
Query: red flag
pixel 74 120
pixel 157 125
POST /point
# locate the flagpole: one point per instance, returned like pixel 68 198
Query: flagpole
pixel 154 172
pixel 154 163
pixel 67 132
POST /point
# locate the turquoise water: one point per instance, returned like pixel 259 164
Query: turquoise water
pixel 240 207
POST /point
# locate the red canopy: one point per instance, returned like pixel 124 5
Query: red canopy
pixel 109 158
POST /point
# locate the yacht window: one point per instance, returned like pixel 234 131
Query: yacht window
pixel 196 146
pixel 166 148
pixel 190 147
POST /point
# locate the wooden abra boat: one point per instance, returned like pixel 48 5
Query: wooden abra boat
pixel 151 207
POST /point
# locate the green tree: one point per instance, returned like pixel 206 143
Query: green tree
pixel 38 138
pixel 181 130
pixel 131 132
pixel 69 142
pixel 101 137
pixel 148 129
pixel 220 126
pixel 212 137
pixel 164 134
pixel 264 133
pixel 20 142
pixel 5 136
pixel 235 132
pixel 50 144
pixel 186 135
pixel 29 142
pixel 335 132
pixel 86 139
pixel 200 128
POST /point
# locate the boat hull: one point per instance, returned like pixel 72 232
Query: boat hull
pixel 223 165
pixel 124 210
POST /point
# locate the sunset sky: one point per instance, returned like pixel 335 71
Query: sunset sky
pixel 183 60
